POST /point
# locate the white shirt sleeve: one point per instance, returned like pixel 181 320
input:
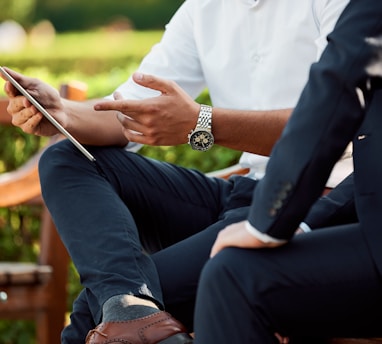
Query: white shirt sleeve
pixel 326 13
pixel 261 236
pixel 305 228
pixel 175 58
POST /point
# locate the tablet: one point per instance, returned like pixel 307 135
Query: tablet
pixel 40 108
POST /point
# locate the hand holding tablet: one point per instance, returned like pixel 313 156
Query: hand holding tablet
pixel 40 108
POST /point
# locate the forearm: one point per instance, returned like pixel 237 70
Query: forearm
pixel 168 119
pixel 249 131
pixel 100 128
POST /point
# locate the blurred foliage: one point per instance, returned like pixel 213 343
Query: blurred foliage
pixel 78 56
pixel 89 56
pixel 19 233
pixel 73 15
pixel 21 11
pixel 16 147
pixel 17 332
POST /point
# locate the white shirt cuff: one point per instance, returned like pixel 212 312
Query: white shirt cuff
pixel 305 228
pixel 265 238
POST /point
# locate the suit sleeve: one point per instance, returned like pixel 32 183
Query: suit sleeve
pixel 327 116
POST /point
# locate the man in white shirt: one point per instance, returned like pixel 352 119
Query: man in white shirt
pixel 254 57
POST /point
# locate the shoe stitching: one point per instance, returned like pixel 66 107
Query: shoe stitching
pixel 141 335
pixel 91 332
pixel 141 330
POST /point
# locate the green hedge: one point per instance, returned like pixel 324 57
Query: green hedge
pixel 79 15
pixel 73 15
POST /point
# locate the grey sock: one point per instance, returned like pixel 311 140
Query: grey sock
pixel 116 309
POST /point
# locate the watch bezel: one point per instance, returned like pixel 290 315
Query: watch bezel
pixel 197 146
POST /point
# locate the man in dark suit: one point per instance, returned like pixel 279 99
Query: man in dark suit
pixel 262 278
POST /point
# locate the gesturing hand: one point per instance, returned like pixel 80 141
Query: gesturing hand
pixel 162 120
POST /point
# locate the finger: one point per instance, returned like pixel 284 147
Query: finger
pixel 281 339
pixel 123 119
pixel 131 128
pixel 153 82
pixel 31 125
pixel 19 103
pixel 126 105
pixel 122 105
pixel 20 78
pixel 15 105
pixel 25 116
pixel 224 239
pixel 135 136
pixel 10 90
pixel 217 246
pixel 215 250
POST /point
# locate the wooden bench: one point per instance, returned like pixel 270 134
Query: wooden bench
pixel 36 290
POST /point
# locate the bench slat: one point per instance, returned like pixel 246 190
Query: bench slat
pixel 24 273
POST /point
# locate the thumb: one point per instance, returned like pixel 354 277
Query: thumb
pixel 150 81
pixel 17 76
pixel 8 74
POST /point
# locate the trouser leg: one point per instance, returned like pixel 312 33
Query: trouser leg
pixel 95 226
pixel 180 264
pixel 104 212
pixel 322 283
pixel 81 321
pixel 179 267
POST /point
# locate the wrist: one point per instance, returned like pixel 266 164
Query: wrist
pixel 201 138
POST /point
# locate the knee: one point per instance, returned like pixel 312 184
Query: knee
pixel 236 268
pixel 56 154
pixel 217 271
pixel 56 161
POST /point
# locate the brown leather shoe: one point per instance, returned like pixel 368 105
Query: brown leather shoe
pixel 158 328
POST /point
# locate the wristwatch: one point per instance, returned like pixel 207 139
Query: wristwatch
pixel 201 137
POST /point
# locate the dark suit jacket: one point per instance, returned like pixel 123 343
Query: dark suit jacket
pixel 340 103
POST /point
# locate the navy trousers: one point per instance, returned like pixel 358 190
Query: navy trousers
pixel 137 226
pixel 322 284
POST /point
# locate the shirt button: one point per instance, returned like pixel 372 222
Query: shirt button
pixel 254 3
pixel 256 58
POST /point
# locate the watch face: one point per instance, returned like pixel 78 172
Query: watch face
pixel 201 140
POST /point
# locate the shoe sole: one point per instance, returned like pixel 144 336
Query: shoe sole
pixel 180 338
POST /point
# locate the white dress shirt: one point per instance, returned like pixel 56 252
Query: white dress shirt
pixel 250 54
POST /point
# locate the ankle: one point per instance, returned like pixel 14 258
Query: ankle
pixel 127 307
